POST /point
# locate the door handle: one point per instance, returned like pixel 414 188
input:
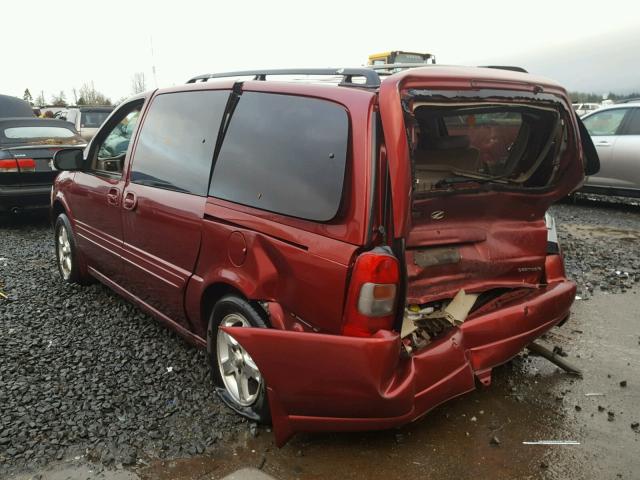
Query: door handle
pixel 603 144
pixel 113 195
pixel 130 201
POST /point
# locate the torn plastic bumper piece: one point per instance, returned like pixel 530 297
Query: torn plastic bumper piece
pixel 319 382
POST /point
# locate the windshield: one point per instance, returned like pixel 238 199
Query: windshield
pixel 509 144
pixel 41 135
pixel 93 119
pixel 411 58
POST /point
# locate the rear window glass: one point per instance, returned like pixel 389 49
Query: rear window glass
pixel 491 135
pixel 39 135
pixel 284 154
pixel 93 119
pixel 516 145
pixel 177 140
pixel 38 132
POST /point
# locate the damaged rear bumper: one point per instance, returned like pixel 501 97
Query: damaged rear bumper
pixel 320 382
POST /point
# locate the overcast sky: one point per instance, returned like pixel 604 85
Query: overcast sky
pixel 51 46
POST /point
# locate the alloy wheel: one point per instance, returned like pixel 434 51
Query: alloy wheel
pixel 64 252
pixel 239 372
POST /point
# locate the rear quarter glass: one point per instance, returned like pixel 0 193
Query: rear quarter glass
pixel 284 154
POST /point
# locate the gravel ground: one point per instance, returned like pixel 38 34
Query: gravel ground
pixel 82 372
pixel 599 237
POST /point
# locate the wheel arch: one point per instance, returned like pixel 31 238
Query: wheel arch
pixel 56 209
pixel 214 292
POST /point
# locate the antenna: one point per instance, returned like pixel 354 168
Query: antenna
pixel 153 63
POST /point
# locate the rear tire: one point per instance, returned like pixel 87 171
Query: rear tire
pixel 236 377
pixel 67 254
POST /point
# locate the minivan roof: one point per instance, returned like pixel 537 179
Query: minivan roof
pixel 373 76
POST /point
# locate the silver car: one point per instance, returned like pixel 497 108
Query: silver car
pixel 87 120
pixel 615 131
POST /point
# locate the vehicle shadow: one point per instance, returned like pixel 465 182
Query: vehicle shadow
pixel 38 219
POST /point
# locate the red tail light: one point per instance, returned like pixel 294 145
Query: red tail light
pixel 371 301
pixel 27 164
pixel 7 166
pixel 11 165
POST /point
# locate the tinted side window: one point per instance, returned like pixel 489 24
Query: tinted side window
pixel 177 139
pixel 284 154
pixel 633 127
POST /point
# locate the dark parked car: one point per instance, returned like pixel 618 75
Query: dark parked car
pixel 350 255
pixel 14 107
pixel 27 146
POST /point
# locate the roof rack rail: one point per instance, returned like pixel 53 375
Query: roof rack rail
pixel 372 79
pixel 513 68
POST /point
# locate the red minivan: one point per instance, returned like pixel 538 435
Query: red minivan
pixel 351 254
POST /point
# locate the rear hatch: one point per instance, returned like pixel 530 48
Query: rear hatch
pixel 480 156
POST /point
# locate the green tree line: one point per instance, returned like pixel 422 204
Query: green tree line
pixel 583 97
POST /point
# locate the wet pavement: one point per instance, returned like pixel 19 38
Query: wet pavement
pixel 530 400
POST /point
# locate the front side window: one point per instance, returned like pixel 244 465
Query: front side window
pixel 284 154
pixel 606 122
pixel 177 140
pixel 113 149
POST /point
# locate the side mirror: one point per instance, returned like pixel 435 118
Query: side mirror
pixel 68 159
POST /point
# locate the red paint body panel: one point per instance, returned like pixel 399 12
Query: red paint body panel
pixel 156 267
pixel 99 235
pixel 315 390
pixel 501 242
pixel 293 267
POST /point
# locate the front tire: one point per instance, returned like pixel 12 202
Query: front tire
pixel 67 255
pixel 236 377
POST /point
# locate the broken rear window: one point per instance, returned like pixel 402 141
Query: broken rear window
pixel 515 145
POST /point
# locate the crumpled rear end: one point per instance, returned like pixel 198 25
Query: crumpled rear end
pixel 319 382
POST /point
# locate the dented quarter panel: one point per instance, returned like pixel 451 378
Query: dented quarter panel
pixel 274 258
